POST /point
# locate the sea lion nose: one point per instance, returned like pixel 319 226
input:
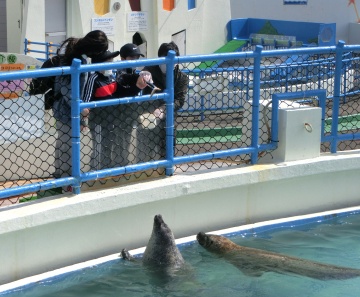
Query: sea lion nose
pixel 158 219
pixel 201 238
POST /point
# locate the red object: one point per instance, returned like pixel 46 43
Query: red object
pixel 107 90
pixel 168 5
pixel 135 5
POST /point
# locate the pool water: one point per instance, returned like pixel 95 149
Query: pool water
pixel 334 240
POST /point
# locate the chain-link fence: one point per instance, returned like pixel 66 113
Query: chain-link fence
pixel 215 116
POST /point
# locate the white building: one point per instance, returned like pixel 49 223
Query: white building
pixel 320 11
pixel 196 26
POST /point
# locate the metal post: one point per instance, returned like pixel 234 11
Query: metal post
pixel 169 124
pixel 47 46
pixel 336 103
pixel 26 46
pixel 202 108
pixel 75 124
pixel 256 104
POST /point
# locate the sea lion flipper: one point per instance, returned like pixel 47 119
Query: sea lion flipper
pixel 126 255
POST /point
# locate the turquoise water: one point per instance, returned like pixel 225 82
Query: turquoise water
pixel 333 240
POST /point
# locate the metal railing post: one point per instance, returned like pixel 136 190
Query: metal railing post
pixel 336 99
pixel 256 105
pixel 47 46
pixel 26 46
pixel 169 119
pixel 75 124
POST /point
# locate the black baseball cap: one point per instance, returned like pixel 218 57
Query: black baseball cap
pixel 104 56
pixel 130 50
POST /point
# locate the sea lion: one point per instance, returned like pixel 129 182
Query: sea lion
pixel 162 261
pixel 161 250
pixel 254 262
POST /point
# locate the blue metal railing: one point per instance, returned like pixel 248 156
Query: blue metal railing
pixel 49 48
pixel 167 95
pixel 296 69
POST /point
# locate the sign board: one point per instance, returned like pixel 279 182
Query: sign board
pixel 137 21
pixel 14 62
pixel 21 118
pixel 107 25
pixel 21 115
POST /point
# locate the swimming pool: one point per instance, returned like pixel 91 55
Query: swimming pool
pixel 331 238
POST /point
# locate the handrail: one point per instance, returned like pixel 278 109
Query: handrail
pixel 76 69
pixel 48 51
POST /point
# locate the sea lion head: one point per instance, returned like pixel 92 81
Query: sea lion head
pixel 164 235
pixel 161 248
pixel 214 243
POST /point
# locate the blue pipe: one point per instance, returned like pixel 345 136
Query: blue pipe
pixel 170 107
pixel 36 187
pixel 75 125
pixel 336 99
pixel 256 104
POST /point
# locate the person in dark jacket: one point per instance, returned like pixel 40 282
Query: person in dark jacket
pixel 92 44
pixel 151 131
pixel 130 83
pixel 101 85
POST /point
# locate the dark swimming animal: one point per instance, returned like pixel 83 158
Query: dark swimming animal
pixel 161 250
pixel 254 262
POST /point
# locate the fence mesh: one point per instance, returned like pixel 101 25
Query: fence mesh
pixel 215 116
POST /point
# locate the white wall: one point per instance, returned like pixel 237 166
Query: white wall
pixel 14 23
pixel 319 11
pixel 53 233
pixel 33 25
pixel 203 34
pixel 205 25
pixel 354 33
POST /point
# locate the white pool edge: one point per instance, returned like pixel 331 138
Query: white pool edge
pixel 61 271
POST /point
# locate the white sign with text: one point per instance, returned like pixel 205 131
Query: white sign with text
pixel 107 25
pixel 137 21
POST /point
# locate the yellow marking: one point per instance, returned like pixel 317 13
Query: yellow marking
pixel 11 67
pixel 12 95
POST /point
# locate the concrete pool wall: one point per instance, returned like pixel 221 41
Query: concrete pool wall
pixel 52 233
